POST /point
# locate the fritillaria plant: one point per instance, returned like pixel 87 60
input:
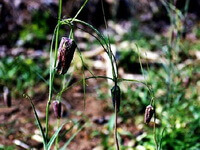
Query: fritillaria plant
pixel 60 59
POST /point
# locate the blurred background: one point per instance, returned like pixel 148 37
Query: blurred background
pixel 164 36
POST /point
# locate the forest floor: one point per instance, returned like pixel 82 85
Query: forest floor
pixel 18 126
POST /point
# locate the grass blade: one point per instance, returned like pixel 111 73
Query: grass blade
pixel 71 138
pixel 65 132
pixel 37 119
pixel 54 137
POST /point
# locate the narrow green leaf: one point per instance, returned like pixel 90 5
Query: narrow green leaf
pixel 54 137
pixel 37 118
pixel 84 80
pixel 65 132
pixel 71 138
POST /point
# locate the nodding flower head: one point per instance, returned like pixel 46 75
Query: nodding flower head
pixel 148 114
pixel 65 54
pixel 115 92
pixel 57 109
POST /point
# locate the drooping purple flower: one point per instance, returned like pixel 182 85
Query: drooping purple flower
pixel 57 109
pixel 65 54
pixel 148 114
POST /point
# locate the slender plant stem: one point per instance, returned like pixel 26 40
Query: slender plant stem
pixel 109 46
pixel 103 77
pixel 109 52
pixel 50 86
pixel 80 10
pixel 96 37
pixel 115 129
pixel 154 127
pixel 56 142
pixel 52 72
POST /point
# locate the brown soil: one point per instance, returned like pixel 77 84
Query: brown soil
pixel 18 123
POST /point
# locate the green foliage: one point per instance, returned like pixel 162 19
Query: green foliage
pixel 71 138
pixel 179 116
pixel 21 73
pixel 127 57
pixel 177 113
pixel 144 39
pixel 7 147
pixel 35 33
pixel 177 104
pixel 197 31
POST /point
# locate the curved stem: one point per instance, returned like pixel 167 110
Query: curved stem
pixel 94 37
pixel 111 55
pixel 92 77
pixel 108 52
pixel 132 80
pixel 109 46
pixel 103 77
pixel 149 87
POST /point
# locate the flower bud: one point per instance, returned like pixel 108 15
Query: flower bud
pixel 148 114
pixel 65 54
pixel 115 92
pixel 57 109
pixel 7 97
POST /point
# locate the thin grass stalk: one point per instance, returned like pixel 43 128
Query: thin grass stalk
pixel 132 80
pixel 149 87
pixel 160 143
pixel 52 72
pixel 154 126
pixel 79 10
pixel 115 129
pixel 57 138
pixel 108 51
pixel 92 77
pixel 115 76
pixel 109 46
pixel 50 85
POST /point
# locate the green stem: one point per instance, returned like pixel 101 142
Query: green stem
pixel 115 76
pixel 103 77
pixel 50 86
pixel 137 81
pixel 52 72
pixel 115 130
pixel 154 127
pixel 92 77
pixel 109 52
pixel 57 138
pixel 79 10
